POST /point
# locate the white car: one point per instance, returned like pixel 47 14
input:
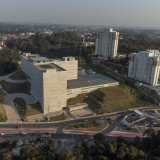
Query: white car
pixel 2 134
pixel 86 120
pixel 101 118
pixel 24 133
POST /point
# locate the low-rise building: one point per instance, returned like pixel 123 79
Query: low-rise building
pixel 77 106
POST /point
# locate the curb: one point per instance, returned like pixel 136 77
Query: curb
pixel 82 131
pixel 107 134
pixel 27 130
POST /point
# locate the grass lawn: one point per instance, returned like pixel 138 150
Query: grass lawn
pixel 117 97
pixel 88 126
pixel 55 118
pixel 24 111
pixel 3 117
pixel 15 87
pixel 19 75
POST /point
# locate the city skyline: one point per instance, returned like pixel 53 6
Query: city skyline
pixel 110 13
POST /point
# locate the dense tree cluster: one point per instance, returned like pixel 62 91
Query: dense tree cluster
pixel 8 61
pixel 128 45
pixel 52 46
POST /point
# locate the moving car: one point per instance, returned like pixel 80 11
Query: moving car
pixel 24 133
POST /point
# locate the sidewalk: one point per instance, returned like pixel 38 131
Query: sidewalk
pixel 107 134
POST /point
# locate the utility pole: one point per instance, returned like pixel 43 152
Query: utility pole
pixel 17 115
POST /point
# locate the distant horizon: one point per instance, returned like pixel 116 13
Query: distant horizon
pixel 124 13
pixel 41 23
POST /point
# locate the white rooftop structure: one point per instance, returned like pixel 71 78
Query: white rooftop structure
pixel 138 112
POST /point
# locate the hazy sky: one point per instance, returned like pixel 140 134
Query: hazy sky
pixel 144 13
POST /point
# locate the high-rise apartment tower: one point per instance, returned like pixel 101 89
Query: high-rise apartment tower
pixel 144 66
pixel 107 43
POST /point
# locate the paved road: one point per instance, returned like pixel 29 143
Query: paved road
pixel 61 125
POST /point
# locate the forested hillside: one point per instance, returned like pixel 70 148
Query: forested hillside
pixel 52 46
pixel 8 61
pixel 127 45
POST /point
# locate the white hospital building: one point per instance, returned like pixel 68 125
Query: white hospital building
pixel 107 44
pixel 53 81
pixel 144 66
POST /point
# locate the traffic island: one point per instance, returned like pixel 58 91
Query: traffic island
pixel 86 127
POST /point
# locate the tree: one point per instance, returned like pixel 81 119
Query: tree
pixel 141 154
pixel 150 132
pixel 99 137
pixel 121 153
pixel 7 156
pixel 52 145
pixel 132 152
pixel 1 95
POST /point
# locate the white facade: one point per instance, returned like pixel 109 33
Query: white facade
pixel 48 81
pixel 53 82
pixel 144 66
pixel 107 43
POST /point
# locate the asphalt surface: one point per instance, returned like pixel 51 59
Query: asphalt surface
pixel 63 137
pixel 61 125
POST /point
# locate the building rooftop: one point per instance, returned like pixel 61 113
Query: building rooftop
pixel 36 59
pixel 89 80
pixel 44 67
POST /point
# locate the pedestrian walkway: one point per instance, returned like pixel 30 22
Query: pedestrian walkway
pixel 9 107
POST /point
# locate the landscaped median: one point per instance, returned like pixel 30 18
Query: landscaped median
pixel 86 126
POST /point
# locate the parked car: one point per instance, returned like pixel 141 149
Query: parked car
pixel 46 135
pixel 86 120
pixel 108 119
pixel 101 117
pixel 110 122
pixel 24 133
